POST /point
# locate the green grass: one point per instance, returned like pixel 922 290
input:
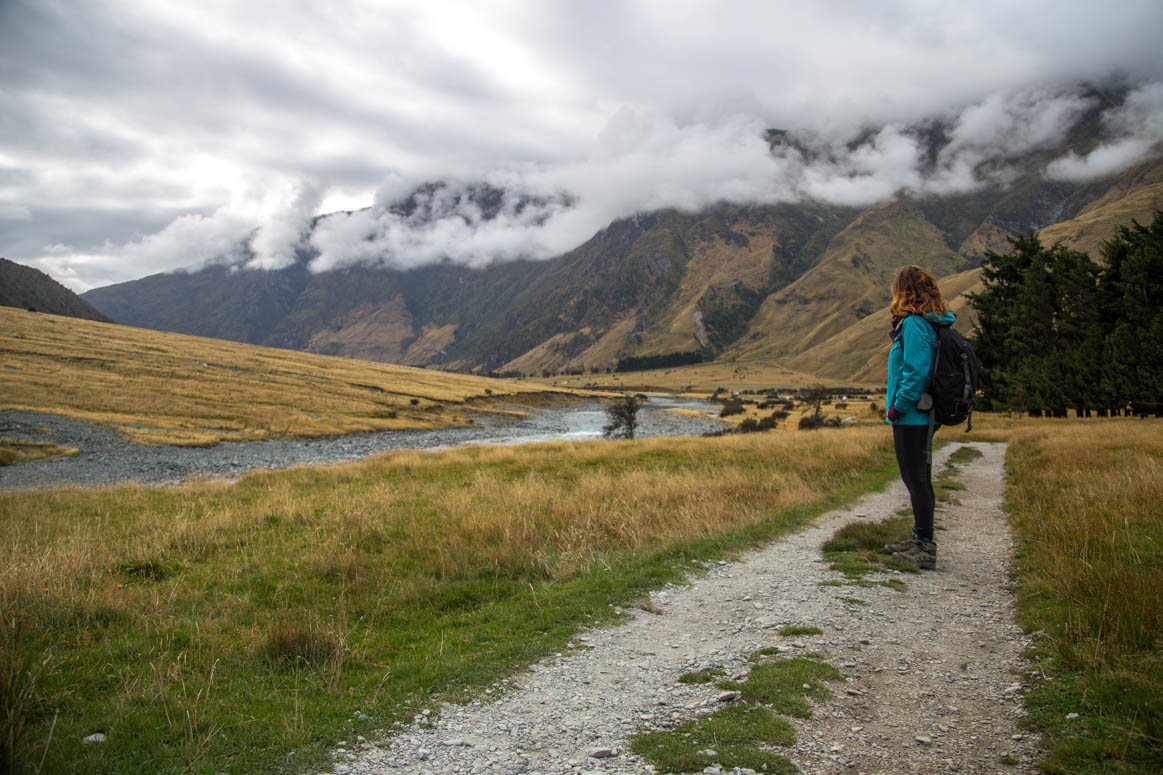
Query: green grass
pixel 701 677
pixel 218 628
pixel 963 455
pixel 1084 498
pixel 785 684
pixel 793 631
pixel 857 549
pixel 731 737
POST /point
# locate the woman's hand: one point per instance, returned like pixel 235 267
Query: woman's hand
pixel 894 414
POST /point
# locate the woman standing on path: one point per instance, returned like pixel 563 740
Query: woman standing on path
pixel 917 307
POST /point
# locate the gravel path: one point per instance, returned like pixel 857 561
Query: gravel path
pixel 930 673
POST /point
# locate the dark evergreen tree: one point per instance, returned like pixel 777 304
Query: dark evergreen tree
pixel 1132 305
pixel 1057 331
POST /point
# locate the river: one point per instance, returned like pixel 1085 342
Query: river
pixel 105 458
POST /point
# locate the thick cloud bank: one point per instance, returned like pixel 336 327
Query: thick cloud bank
pixel 644 161
pixel 469 224
pixel 141 136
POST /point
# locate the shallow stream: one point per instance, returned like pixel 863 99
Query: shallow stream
pixel 104 457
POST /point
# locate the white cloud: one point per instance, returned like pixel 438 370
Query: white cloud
pixel 1136 129
pixel 448 222
pixel 189 241
pixel 285 230
pixel 125 112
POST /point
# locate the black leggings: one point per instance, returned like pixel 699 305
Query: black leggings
pixel 910 442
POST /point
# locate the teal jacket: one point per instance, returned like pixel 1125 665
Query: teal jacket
pixel 910 363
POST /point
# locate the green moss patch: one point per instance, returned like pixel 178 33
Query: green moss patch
pixel 731 738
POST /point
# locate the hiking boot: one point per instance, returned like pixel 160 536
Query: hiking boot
pixel 923 554
pixel 903 546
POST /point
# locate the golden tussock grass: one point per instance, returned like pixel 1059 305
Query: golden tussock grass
pixel 13 451
pixel 167 388
pixel 497 507
pixel 1088 498
pixel 1085 497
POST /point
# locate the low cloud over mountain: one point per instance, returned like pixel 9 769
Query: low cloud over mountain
pixel 142 137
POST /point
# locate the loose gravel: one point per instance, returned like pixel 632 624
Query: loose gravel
pixel 931 683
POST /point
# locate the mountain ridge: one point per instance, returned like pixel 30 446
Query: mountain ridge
pixel 792 281
pixel 29 288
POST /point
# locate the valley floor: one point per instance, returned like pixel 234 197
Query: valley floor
pixel 930 673
pixel 105 457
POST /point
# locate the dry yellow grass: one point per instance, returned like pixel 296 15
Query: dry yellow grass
pixel 700 379
pixel 1084 496
pixel 13 451
pixel 552 505
pixel 1090 503
pixel 170 388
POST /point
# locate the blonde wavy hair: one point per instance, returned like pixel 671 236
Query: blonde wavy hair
pixel 915 292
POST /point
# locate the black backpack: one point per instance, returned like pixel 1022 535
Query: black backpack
pixel 954 379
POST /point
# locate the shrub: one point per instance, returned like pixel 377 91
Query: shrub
pixel 732 407
pixel 811 422
pixel 768 423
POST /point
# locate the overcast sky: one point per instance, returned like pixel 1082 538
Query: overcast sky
pixel 139 136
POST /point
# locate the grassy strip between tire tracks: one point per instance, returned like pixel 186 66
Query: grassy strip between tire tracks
pixel 247 628
pixel 1085 497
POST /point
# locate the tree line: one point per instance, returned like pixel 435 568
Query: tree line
pixel 1058 331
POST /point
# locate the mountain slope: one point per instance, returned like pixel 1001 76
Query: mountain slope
pixel 859 352
pixel 217 301
pixel 850 281
pixel 28 288
pixel 790 282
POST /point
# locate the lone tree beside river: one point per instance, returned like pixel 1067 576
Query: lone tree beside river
pixel 623 418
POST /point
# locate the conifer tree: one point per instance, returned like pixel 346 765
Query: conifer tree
pixel 1057 330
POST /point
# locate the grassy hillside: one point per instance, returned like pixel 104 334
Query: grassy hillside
pixel 27 288
pixel 850 282
pixel 859 353
pixel 1135 195
pixel 175 389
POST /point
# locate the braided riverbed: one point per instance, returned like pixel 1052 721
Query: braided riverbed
pixel 105 457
